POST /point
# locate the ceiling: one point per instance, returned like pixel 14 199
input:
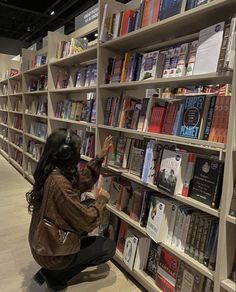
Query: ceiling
pixel 29 21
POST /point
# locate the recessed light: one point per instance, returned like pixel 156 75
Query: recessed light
pixel 52 12
pixel 96 34
pixel 85 39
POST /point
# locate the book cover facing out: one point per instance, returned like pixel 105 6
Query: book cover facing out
pixel 153 259
pixel 169 171
pixel 192 115
pixel 207 181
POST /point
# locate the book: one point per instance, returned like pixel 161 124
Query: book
pixel 189 174
pixel 153 259
pixel 152 64
pixel 130 248
pixel 209 118
pixel 125 22
pixel 137 157
pixel 206 227
pixel 137 199
pixel 207 181
pixel 157 119
pixel 169 8
pixel 171 174
pixel 145 208
pixel 167 271
pixel 191 59
pixel 233 273
pixel 173 215
pixel 232 211
pixel 115 191
pixel 212 259
pixel 122 236
pixel 148 161
pixel 169 118
pixel 151 95
pixel 212 237
pixel 142 253
pixel 158 219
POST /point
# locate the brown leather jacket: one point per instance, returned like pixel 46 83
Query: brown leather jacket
pixel 64 207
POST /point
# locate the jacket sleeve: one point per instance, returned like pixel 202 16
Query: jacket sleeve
pixel 78 216
pixel 89 175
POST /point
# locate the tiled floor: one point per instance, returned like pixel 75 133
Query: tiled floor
pixel 17 265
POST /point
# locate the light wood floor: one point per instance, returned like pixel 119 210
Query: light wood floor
pixel 17 265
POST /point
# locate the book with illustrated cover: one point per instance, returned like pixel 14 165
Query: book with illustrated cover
pixel 131 244
pixel 137 157
pixel 137 200
pixel 122 236
pixel 207 181
pixel 152 65
pixel 172 171
pixel 189 174
pixel 167 271
pixel 142 253
pixel 115 191
pixel 153 259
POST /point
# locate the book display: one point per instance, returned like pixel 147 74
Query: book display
pixel 160 79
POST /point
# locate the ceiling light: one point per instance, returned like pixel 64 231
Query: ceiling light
pixel 85 39
pixel 28 28
pixel 96 34
pixel 52 12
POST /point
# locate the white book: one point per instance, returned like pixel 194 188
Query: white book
pixel 152 94
pixel 231 47
pixel 126 153
pixel 142 253
pixel 152 65
pixel 103 32
pixel 186 224
pixel 158 219
pixel 116 25
pixel 131 244
pixel 173 215
pixel 148 160
pixel 208 51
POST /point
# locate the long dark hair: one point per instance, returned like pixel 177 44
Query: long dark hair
pixel 50 160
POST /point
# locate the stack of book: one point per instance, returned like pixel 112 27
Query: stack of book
pixel 38 129
pixel 168 271
pixel 124 21
pixel 40 83
pixel 38 107
pixel 174 114
pixel 83 110
pixel 72 47
pixel 35 149
pixel 17 122
pixel 18 140
pixel 38 60
pixel 18 105
pixel 88 143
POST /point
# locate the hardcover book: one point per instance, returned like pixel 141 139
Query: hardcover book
pixel 153 259
pixel 131 244
pixel 152 65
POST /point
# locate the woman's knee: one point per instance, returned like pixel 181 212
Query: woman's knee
pixel 110 248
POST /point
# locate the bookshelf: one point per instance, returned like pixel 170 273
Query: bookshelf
pixel 183 27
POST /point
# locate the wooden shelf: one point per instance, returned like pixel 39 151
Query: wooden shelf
pixel 86 158
pixel 181 255
pixel 16 130
pixel 16 77
pixel 37 116
pixel 145 280
pixel 169 138
pixel 30 156
pixel 37 70
pixel 15 112
pixel 36 92
pixel 231 219
pixel 4 154
pixel 228 285
pixel 35 137
pixel 76 59
pixel 203 79
pixel 29 177
pixel 4 125
pixel 16 94
pixel 81 123
pixel 16 165
pixel 74 89
pixel 3 110
pixel 175 26
pixel 4 80
pixel 3 139
pixel 3 95
pixel 16 147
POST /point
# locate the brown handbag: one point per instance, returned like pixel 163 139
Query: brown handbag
pixel 51 240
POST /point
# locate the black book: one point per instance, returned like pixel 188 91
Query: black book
pixel 207 181
pixel 153 259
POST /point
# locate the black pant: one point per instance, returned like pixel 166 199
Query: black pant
pixel 94 251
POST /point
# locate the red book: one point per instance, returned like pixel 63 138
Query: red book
pixel 167 271
pixel 125 22
pixel 157 119
pixel 92 147
pixel 156 10
pixel 122 236
pixel 146 13
pixel 136 205
pixel 169 119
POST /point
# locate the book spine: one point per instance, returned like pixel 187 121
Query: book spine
pixel 176 227
pixel 212 259
pixel 194 236
pixel 190 231
pixel 209 243
pixel 209 118
pixel 189 174
pixel 218 187
pixel 203 240
pixel 198 238
pixel 185 232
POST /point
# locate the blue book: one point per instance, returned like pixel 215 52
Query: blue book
pixel 192 116
pixel 209 118
pixel 191 4
pixel 178 120
pixel 170 8
pixel 148 160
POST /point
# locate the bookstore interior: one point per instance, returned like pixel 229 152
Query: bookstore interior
pixel 160 78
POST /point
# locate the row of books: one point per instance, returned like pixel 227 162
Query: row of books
pixel 18 105
pixel 169 272
pixel 17 139
pixel 35 149
pixel 17 122
pixel 3 89
pixel 3 118
pixel 123 21
pixel 38 60
pixel 88 143
pixel 37 84
pixel 86 76
pixel 38 106
pixel 71 47
pixel 38 129
pixel 17 156
pixel 175 171
pixel 200 116
pixel 16 87
pixel 182 60
pixel 78 110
